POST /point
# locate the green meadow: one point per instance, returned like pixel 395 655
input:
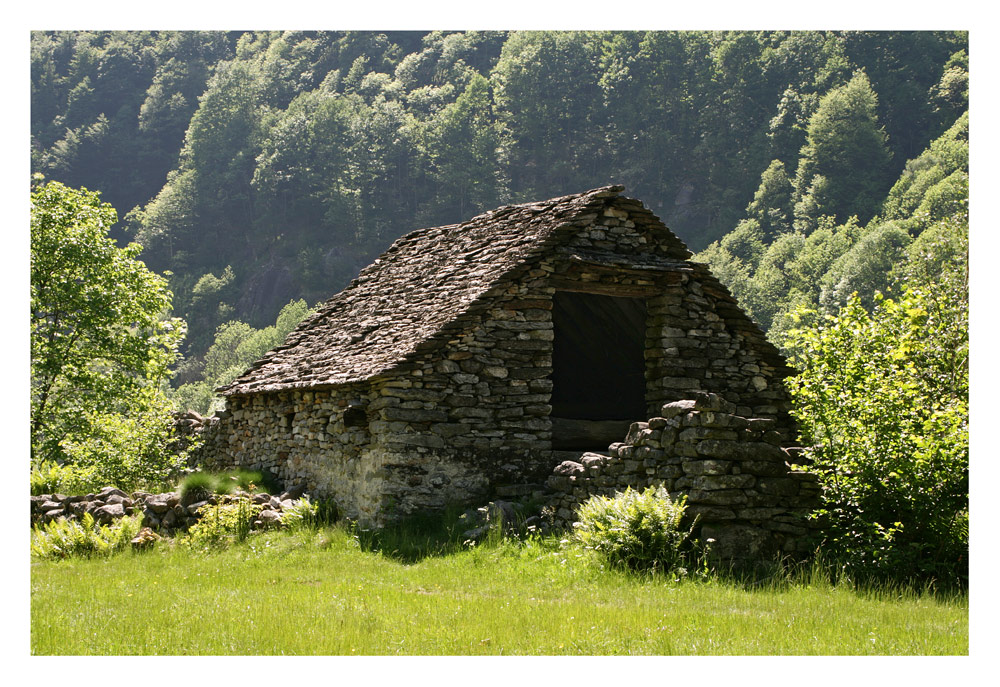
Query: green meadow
pixel 331 592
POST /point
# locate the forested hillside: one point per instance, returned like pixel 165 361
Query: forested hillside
pixel 260 168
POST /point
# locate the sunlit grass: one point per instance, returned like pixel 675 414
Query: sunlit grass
pixel 320 593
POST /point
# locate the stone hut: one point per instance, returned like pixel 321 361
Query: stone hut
pixel 470 360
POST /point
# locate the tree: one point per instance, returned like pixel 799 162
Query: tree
pixel 772 203
pixel 943 165
pixel 547 95
pixel 237 345
pixel 100 346
pixel 843 166
pixel 882 400
pixel 863 270
pixel 463 144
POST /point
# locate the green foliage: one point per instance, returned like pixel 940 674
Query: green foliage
pixel 303 514
pixel 237 345
pixel 546 94
pixel 769 285
pixel 49 477
pixel 772 202
pixel 745 242
pixel 295 157
pixel 939 255
pixel 864 269
pixel 882 400
pixel 223 524
pixel 820 268
pixel 846 148
pixel 64 538
pixel 100 347
pixel 129 451
pixel 463 143
pixel 196 396
pixel 945 161
pixel 637 530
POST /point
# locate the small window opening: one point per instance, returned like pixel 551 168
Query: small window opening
pixel 355 416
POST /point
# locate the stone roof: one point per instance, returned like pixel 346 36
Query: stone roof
pixel 422 284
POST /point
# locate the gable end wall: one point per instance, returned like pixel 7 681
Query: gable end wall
pixel 470 411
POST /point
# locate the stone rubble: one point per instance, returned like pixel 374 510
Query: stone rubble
pixel 163 513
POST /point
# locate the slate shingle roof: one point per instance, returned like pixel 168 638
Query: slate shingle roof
pixel 414 290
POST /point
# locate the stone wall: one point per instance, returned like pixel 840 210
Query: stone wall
pixel 468 413
pixel 733 471
pixel 166 512
pixel 320 438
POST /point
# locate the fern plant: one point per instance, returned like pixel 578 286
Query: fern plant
pixel 64 538
pixel 223 523
pixel 637 530
pixel 48 477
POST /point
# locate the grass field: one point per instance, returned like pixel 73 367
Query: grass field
pixel 323 593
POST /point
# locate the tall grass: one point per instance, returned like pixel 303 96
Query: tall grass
pixel 330 592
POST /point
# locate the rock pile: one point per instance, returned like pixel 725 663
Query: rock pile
pixel 165 512
pixel 735 474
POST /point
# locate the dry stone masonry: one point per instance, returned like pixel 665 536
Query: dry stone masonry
pixel 459 364
pixel 735 474
pixel 165 513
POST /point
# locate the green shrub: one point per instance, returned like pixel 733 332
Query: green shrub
pixel 882 404
pixel 301 515
pixel 49 477
pixel 129 452
pixel 637 530
pixel 223 523
pixel 63 538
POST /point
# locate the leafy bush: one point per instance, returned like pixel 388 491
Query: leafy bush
pixel 49 477
pixel 63 538
pixel 637 530
pixel 882 399
pixel 223 523
pixel 129 451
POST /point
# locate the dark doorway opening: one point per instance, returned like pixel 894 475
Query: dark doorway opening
pixel 598 369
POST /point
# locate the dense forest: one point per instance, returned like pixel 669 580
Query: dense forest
pixel 260 168
pixel 823 175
